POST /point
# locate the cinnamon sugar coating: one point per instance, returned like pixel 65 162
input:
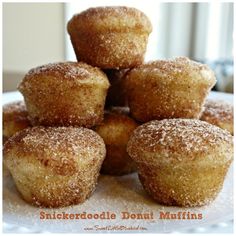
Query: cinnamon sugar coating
pixel 219 113
pixel 110 37
pixel 64 94
pixel 115 131
pixel 54 166
pixel 15 118
pixel 181 162
pixel 168 89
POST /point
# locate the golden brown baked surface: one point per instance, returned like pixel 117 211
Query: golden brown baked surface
pixel 168 89
pixel 78 72
pixel 179 140
pixel 189 185
pixel 219 113
pixel 15 118
pixel 177 69
pixel 116 127
pixel 117 36
pixel 115 19
pixel 64 94
pixel 54 166
pixel 58 148
pixel 181 162
pixel 115 130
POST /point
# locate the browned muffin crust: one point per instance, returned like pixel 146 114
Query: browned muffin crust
pixel 181 162
pixel 68 70
pixel 15 118
pixel 119 36
pixel 120 123
pixel 219 113
pixel 44 143
pixel 54 166
pixel 171 67
pixel 115 130
pixel 80 88
pixel 166 89
pixel 174 138
pixel 112 18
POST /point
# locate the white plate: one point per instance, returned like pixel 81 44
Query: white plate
pixel 116 195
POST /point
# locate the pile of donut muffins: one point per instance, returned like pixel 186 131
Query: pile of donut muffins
pixel 113 113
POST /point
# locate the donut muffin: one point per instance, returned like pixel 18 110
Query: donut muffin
pixel 168 89
pixel 181 162
pixel 116 95
pixel 219 113
pixel 15 118
pixel 55 166
pixel 64 94
pixel 115 131
pixel 110 37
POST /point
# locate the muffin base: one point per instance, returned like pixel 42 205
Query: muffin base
pixel 66 107
pixel 110 50
pixel 45 189
pixel 188 186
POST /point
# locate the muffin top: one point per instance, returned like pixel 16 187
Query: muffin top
pixel 115 19
pixel 15 111
pixel 180 140
pixel 180 69
pixel 62 149
pixel 79 72
pixel 217 111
